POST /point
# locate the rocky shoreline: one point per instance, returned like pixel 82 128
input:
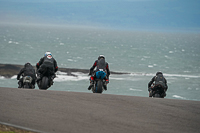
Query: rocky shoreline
pixel 9 70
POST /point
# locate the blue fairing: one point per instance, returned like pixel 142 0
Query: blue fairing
pixel 100 74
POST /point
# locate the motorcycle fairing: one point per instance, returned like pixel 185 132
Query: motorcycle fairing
pixel 100 74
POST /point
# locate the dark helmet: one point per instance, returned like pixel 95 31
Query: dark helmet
pixel 27 64
pixel 159 73
pixel 101 56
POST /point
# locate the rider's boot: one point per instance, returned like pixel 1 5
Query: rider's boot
pixel 33 86
pixel 163 94
pixel 51 80
pixel 39 77
pixel 20 84
pixel 91 83
pixel 150 93
pixel 105 85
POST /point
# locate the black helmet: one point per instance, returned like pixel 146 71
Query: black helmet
pixel 158 73
pixel 101 56
pixel 27 64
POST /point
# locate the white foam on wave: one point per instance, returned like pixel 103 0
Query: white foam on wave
pixel 118 78
pixel 61 73
pixel 122 78
pixel 61 78
pixel 70 60
pixel 179 97
pixel 150 66
pixel 78 76
pixel 135 89
pixel 142 74
pixel 165 74
pixel 180 75
pixel 79 73
pixel 2 77
pixel 14 77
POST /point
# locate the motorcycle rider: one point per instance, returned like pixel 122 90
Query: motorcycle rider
pixel 160 83
pixel 28 70
pixel 47 62
pixel 100 64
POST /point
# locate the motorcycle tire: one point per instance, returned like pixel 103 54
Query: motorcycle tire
pixel 99 87
pixel 157 96
pixel 44 83
pixel 26 85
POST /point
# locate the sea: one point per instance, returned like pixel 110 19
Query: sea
pixel 139 53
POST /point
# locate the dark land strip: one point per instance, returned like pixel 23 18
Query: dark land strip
pixel 9 70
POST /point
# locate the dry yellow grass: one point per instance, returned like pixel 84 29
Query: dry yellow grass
pixel 9 129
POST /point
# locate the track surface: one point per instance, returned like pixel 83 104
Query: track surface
pixel 74 112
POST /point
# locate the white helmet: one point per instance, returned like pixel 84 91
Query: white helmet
pixel 101 56
pixel 47 53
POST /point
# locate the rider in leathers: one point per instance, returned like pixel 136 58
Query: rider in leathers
pixel 28 70
pixel 160 83
pixel 47 62
pixel 100 64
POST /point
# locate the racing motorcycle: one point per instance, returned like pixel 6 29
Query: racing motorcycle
pixel 45 81
pixel 157 92
pixel 99 82
pixel 27 80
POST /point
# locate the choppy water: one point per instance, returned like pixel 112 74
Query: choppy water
pixel 142 54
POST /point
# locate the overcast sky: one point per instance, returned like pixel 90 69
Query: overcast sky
pixel 123 14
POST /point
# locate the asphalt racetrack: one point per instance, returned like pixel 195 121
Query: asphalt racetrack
pixel 73 112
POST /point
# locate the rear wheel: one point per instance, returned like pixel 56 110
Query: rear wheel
pixel 26 85
pixel 44 83
pixel 157 95
pixel 99 86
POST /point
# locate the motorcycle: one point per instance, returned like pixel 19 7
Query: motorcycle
pixel 99 82
pixel 27 82
pixel 156 92
pixel 46 80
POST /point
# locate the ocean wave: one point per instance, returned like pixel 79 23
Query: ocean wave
pixel 135 89
pixel 118 78
pixel 2 77
pixel 180 75
pixel 165 74
pixel 14 77
pixel 74 76
pixel 79 73
pixel 77 76
pixel 61 78
pixel 179 97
